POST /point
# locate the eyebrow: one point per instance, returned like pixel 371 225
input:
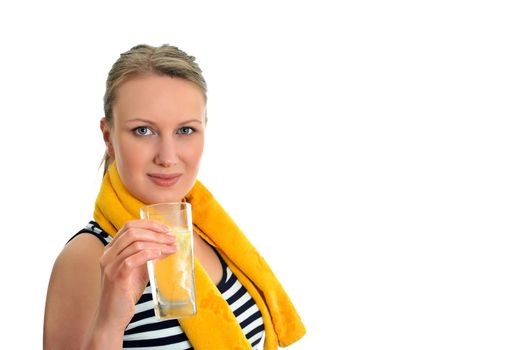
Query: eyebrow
pixel 134 120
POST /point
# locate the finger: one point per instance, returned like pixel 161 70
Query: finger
pixel 112 262
pixel 137 247
pixel 134 242
pixel 122 268
pixel 139 259
pixel 133 234
pixel 151 225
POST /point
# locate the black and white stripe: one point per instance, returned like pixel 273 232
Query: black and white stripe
pixel 145 331
pixel 242 304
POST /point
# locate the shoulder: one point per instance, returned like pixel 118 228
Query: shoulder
pixel 77 264
pixel 73 290
pixel 81 251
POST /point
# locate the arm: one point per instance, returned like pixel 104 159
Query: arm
pixel 93 289
pixel 73 297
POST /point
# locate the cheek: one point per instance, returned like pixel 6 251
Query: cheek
pixel 193 154
pixel 131 157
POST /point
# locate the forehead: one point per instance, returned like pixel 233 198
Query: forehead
pixel 156 96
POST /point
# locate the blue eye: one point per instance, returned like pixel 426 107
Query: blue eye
pixel 185 130
pixel 142 131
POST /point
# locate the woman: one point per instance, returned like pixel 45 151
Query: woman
pixel 154 128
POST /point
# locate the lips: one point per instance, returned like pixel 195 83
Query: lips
pixel 164 180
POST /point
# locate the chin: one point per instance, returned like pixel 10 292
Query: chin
pixel 165 199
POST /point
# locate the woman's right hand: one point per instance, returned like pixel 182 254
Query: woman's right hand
pixel 124 271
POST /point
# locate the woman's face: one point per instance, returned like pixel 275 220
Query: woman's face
pixel 157 136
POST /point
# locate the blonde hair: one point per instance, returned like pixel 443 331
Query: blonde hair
pixel 165 60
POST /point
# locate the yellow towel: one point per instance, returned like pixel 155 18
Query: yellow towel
pixel 214 326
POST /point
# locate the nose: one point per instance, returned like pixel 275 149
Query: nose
pixel 166 153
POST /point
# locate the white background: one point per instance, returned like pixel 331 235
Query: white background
pixel 374 151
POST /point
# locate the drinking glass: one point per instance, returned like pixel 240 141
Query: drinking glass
pixel 172 278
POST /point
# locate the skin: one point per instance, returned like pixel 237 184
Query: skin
pixel 157 141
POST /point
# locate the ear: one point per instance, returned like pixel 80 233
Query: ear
pixel 106 130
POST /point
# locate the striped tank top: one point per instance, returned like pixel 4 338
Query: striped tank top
pixel 145 331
